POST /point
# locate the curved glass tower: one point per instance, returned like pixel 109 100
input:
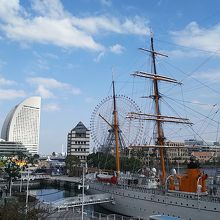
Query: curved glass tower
pixel 22 124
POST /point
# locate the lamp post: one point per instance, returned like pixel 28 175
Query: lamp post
pixel 21 184
pixel 83 190
pixel 28 179
pixel 10 186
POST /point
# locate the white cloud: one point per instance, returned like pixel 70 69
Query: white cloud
pixel 47 82
pixel 54 25
pixel 197 37
pixel 94 25
pixel 51 8
pixel 5 82
pixel 47 30
pixel 9 10
pixel 51 28
pixel 51 107
pixel 99 57
pixel 9 94
pixel 117 48
pixel 45 85
pixel 44 93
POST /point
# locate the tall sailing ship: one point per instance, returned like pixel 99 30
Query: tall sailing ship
pixel 183 196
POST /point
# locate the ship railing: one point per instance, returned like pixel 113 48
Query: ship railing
pixel 143 189
pixel 161 191
pixel 207 198
pixel 171 194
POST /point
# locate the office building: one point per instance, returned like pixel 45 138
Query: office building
pixel 78 142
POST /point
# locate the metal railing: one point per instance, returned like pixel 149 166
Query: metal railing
pixel 71 202
pixel 88 215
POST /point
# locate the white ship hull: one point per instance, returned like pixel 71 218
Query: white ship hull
pixel 143 203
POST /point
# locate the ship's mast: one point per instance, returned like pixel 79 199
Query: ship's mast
pixel 115 114
pixel 115 129
pixel 157 117
pixel 156 96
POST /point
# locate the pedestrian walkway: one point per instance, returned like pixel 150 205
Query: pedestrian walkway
pixel 71 202
pixel 66 179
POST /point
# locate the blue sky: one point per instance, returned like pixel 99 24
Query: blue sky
pixel 66 50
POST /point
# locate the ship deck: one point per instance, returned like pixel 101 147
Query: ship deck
pixel 158 191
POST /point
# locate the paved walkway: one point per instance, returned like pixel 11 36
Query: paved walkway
pixel 66 178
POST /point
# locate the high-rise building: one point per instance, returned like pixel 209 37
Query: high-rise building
pixel 22 124
pixel 78 142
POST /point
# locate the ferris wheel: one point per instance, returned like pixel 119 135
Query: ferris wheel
pixel 102 129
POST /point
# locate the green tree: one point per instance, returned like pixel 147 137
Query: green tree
pixel 36 156
pixel 72 161
pixel 2 164
pixel 13 171
pixel 33 159
pixel 102 160
pixel 131 164
pixel 15 210
pixel 21 155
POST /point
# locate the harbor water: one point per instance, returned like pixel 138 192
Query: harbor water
pixel 49 195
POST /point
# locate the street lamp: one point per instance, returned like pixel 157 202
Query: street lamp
pixel 83 190
pixel 28 179
pixel 10 186
pixel 21 184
